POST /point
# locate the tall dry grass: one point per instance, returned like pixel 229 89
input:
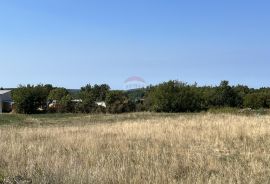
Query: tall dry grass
pixel 201 148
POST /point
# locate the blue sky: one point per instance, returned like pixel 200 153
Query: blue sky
pixel 71 43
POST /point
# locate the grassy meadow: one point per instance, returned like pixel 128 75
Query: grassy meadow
pixel 135 148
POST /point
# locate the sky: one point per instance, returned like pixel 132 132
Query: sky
pixel 71 43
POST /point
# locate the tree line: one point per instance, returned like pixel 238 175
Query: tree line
pixel 171 96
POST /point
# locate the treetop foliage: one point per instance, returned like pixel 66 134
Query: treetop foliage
pixel 171 96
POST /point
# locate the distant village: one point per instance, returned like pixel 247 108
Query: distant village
pixel 172 96
pixel 6 102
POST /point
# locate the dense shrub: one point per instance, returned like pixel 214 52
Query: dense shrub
pixel 226 96
pixel 88 102
pixel 30 99
pixel 57 94
pixel 66 105
pixel 171 96
pixel 174 96
pixel 118 102
pixel 257 100
pixel 90 95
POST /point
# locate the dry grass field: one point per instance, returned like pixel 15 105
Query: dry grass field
pixel 135 148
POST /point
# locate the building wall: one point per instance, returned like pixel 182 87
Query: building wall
pixel 5 102
pixel 1 104
pixel 6 97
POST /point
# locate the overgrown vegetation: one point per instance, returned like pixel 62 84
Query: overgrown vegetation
pixel 171 96
pixel 135 148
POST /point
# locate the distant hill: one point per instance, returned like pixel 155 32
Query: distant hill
pixel 73 90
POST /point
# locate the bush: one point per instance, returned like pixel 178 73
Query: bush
pixel 66 105
pixel 257 100
pixel 30 99
pixel 90 95
pixel 174 96
pixel 226 96
pixel 118 102
pixel 88 102
pixel 57 94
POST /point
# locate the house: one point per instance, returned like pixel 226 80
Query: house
pixel 5 101
pixel 102 104
pixel 77 100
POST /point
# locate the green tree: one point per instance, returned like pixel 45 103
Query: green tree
pixel 241 92
pixel 118 102
pixel 254 101
pixel 257 100
pixel 225 95
pixel 66 105
pixel 88 102
pixel 90 95
pixel 100 92
pixel 57 94
pixel 174 96
pixel 30 99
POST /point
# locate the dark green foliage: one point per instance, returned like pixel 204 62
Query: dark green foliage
pixel 254 101
pixel 90 95
pixel 48 87
pixel 98 92
pixel 30 99
pixel 88 102
pixel 137 97
pixel 226 96
pixel 60 97
pixel 257 100
pixel 66 105
pixel 57 94
pixel 206 94
pixel 171 96
pixel 241 92
pixel 118 102
pixel 174 96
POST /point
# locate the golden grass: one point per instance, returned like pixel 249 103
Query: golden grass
pixel 184 148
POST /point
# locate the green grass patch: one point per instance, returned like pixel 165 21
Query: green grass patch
pixel 8 119
pixel 77 119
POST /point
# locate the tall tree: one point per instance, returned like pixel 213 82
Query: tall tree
pixel 28 99
pixel 58 94
pixel 225 95
pixel 118 102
